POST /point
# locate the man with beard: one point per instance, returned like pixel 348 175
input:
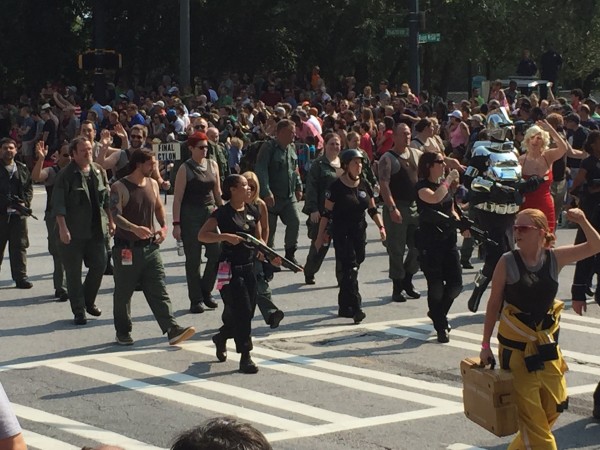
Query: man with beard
pixel 135 203
pixel 15 187
pixel 80 205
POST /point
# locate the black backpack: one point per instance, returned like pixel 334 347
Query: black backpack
pixel 248 160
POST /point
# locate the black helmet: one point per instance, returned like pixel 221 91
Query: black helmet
pixel 348 155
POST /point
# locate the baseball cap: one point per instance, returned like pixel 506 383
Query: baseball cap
pixel 173 90
pixel 159 103
pixel 477 118
pixel 195 115
pixel 46 106
pixel 456 114
pixel 124 97
pixel 107 108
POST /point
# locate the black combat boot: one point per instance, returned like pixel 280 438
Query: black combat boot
pixel 397 291
pixel 290 254
pixel 481 283
pixel 408 286
pixel 246 364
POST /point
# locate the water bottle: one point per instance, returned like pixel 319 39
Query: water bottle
pixel 180 250
pixel 376 191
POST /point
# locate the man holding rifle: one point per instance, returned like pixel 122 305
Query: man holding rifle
pixel 16 193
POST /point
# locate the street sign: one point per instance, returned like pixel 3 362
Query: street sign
pixel 170 151
pixel 425 38
pixel 397 32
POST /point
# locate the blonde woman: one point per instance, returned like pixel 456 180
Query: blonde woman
pixel 272 315
pixel 537 163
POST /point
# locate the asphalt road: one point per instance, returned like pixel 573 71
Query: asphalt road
pixel 323 383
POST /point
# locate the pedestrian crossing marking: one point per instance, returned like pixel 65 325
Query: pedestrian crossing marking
pixel 79 428
pixel 229 390
pixel 41 442
pixel 349 377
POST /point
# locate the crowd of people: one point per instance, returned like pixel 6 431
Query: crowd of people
pixel 250 153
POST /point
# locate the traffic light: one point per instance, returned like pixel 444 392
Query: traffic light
pixel 100 59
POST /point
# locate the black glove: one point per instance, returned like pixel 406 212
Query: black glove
pixel 531 184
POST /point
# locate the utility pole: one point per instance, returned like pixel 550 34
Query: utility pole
pixel 413 44
pixel 184 45
pixel 99 20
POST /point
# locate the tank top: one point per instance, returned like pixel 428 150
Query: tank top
pixel 139 209
pixel 535 290
pixel 456 137
pixel 200 184
pixel 402 183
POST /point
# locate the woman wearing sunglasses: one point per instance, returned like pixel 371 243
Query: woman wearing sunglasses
pixel 526 282
pixel 197 193
pixel 436 240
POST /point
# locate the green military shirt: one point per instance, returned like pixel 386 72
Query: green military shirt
pixel 275 167
pixel 216 152
pixel 320 176
pixel 72 199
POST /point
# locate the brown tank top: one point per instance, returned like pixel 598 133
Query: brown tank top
pixel 139 210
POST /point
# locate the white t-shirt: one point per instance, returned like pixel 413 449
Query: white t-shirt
pixel 9 425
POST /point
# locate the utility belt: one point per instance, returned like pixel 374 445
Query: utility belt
pixel 498 208
pixel 131 244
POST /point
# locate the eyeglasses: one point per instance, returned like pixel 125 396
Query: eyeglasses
pixel 439 161
pixel 524 228
pixel 136 136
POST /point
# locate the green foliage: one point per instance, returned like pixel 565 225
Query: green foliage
pixel 344 37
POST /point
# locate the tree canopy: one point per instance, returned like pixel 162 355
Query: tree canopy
pixel 41 41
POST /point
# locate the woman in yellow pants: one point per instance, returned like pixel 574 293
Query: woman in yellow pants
pixel 526 281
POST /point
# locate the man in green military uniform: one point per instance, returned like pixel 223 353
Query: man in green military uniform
pixel 80 205
pixel 216 152
pixel 135 203
pixel 276 168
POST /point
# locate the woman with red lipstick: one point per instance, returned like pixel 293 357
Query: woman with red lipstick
pixel 526 282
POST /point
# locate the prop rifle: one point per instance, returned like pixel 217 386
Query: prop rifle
pixel 269 252
pixel 464 224
pixel 17 204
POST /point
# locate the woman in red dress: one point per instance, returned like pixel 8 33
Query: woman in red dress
pixel 537 161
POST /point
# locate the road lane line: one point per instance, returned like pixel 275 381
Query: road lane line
pixel 574 366
pixel 41 442
pixel 367 373
pixel 463 447
pixel 79 428
pixel 364 422
pixel 230 390
pixel 292 368
pixel 181 397
pixel 581 389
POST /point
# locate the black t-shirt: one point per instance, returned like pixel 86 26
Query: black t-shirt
pixel 576 138
pixel 50 128
pixel 350 203
pixel 430 223
pixel 231 221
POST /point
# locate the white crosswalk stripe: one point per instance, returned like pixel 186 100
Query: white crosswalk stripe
pixel 286 419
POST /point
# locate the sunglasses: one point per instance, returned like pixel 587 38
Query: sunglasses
pixel 439 161
pixel 201 147
pixel 524 228
pixel 66 155
pixel 135 136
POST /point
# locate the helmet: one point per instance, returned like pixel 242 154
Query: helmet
pixel 348 155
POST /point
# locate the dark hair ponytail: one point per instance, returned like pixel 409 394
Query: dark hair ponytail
pixel 230 181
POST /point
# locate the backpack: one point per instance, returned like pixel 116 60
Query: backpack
pixel 248 159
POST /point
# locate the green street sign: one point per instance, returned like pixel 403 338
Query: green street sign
pixel 397 32
pixel 425 38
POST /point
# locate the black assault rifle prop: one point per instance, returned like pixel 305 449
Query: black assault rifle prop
pixel 17 204
pixel 269 252
pixel 464 224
